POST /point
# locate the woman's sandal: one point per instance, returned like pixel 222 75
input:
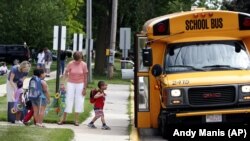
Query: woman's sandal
pixel 60 122
pixel 76 123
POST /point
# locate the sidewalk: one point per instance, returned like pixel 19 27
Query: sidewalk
pixel 115 115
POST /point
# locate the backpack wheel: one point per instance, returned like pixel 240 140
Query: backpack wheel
pixel 13 110
pixel 19 107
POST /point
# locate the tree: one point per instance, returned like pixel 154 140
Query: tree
pixel 32 21
pixel 135 13
pixel 102 10
pixel 237 5
pixel 208 4
pixel 132 14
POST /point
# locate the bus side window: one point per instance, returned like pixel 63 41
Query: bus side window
pixel 143 94
pixel 141 44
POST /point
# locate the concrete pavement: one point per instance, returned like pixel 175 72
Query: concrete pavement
pixel 115 115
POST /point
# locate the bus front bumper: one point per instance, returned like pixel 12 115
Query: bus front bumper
pixel 201 117
pixel 223 112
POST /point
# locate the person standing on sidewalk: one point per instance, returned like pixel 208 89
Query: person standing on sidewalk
pixel 76 75
pixel 98 106
pixel 62 61
pixel 40 59
pixel 48 61
pixel 19 105
pixel 17 73
pixel 39 104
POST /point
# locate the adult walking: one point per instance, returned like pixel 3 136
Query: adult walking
pixel 48 61
pixel 17 73
pixel 76 76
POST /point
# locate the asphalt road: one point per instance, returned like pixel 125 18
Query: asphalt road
pixel 150 135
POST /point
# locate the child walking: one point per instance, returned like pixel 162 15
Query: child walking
pixel 19 106
pixel 98 106
pixel 40 103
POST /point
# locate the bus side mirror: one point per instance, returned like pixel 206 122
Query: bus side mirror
pixel 171 51
pixel 237 47
pixel 156 70
pixel 147 57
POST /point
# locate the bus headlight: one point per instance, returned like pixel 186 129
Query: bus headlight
pixel 245 89
pixel 175 93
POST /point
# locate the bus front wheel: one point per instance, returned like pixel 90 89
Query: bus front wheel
pixel 164 128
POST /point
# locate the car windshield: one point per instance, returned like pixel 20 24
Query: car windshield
pixel 206 56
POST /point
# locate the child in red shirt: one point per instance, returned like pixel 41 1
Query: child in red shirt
pixel 98 106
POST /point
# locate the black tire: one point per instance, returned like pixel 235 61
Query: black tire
pixel 159 125
pixel 164 132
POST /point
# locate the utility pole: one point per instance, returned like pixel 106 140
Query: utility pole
pixel 89 40
pixel 112 39
pixel 58 58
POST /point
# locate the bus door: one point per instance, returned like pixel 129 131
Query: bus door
pixel 141 86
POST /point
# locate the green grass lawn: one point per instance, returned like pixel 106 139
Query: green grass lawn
pixel 22 133
pixel 3 79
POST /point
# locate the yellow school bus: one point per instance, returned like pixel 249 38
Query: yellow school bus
pixel 192 68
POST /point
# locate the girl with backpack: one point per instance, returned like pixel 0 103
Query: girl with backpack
pixel 39 95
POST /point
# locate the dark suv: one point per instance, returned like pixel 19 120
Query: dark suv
pixel 9 53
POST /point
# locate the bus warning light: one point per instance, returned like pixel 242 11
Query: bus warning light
pixel 161 27
pixel 195 15
pixel 210 14
pixel 246 22
pixel 203 15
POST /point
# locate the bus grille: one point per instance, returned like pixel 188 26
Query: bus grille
pixel 211 95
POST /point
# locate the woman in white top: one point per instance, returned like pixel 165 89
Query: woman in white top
pixel 40 59
pixel 3 69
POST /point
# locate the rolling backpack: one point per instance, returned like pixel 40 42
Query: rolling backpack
pixel 35 88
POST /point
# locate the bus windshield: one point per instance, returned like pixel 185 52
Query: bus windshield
pixel 206 56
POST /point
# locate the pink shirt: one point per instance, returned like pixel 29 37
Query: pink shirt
pixel 76 71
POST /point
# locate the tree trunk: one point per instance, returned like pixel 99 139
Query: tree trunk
pixel 102 42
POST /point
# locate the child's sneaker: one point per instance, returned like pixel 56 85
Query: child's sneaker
pixel 105 127
pixel 90 125
pixel 18 122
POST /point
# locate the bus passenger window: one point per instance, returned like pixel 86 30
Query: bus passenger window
pixel 143 97
pixel 141 44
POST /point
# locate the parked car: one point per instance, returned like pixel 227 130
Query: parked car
pixel 9 53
